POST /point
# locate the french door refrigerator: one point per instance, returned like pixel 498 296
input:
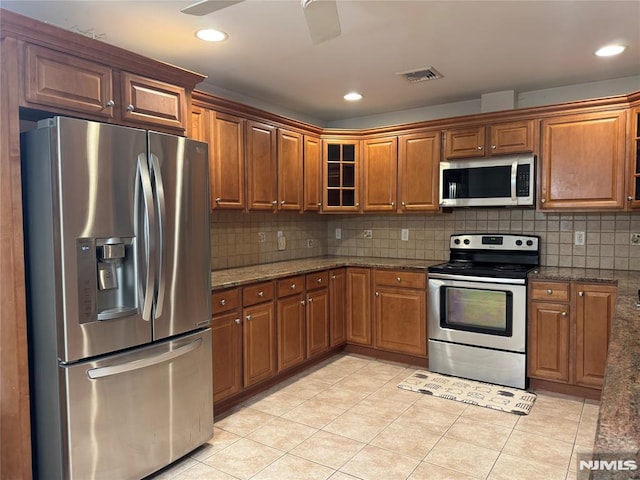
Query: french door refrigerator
pixel 119 299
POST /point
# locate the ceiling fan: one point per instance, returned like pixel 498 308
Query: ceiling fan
pixel 321 15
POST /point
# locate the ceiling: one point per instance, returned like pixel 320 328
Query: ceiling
pixel 478 46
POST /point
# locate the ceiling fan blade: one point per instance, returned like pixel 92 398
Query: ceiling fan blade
pixel 322 19
pixel 205 7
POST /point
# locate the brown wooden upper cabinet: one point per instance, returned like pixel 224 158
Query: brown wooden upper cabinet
pixel 290 170
pixel 58 80
pixel 492 139
pixel 341 170
pixel 633 188
pixel 312 173
pixel 226 157
pixel 379 174
pixel 418 161
pixel 261 147
pixel 582 162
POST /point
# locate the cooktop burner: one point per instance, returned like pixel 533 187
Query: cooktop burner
pixel 491 255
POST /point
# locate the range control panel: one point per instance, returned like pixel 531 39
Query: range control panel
pixel 488 241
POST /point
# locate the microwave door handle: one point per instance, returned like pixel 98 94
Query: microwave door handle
pixel 514 177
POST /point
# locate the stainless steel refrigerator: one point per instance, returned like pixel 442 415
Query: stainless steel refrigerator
pixel 119 299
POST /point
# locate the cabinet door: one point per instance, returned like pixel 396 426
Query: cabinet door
pixel 400 316
pixel 199 126
pixel 633 187
pixel 340 177
pixel 379 174
pixel 226 149
pixel 594 312
pixel 261 166
pixel 548 352
pixel 418 171
pixel 338 306
pixel 291 332
pixel 512 137
pixel 317 322
pixel 59 80
pixel 312 174
pixel 226 337
pixel 359 306
pixel 149 101
pixel 259 343
pixel 583 160
pixel 290 172
pixel 464 142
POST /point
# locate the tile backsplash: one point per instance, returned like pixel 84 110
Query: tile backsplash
pixel 607 236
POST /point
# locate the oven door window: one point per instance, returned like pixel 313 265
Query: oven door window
pixel 477 310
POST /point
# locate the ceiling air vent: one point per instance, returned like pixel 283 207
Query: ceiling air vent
pixel 415 76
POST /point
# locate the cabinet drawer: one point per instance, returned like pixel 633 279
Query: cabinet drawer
pixel 317 280
pixel 258 293
pixel 290 286
pixel 552 291
pixel 400 278
pixel 225 300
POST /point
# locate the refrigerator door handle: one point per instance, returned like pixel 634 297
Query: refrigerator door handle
pixel 162 216
pixel 149 239
pixel 101 372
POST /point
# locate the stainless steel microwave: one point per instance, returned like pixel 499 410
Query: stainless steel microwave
pixel 507 181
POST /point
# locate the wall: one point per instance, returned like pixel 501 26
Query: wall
pixel 235 236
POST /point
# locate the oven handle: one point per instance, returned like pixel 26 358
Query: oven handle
pixel 469 278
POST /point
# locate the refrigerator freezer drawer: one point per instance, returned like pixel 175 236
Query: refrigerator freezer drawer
pixel 131 414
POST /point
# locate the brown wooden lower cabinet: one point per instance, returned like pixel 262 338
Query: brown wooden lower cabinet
pixel 568 340
pixel 400 318
pixel 317 322
pixel 226 333
pixel 290 318
pixel 259 343
pixel 337 306
pixel 359 306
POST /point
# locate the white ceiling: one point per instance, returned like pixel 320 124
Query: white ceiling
pixel 479 47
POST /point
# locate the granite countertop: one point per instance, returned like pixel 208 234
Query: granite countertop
pixel 618 428
pixel 233 277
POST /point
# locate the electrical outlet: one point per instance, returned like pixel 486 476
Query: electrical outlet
pixel 635 239
pixel 282 243
pixel 404 234
pixel 262 237
pixel 280 234
pixel 338 233
pixel 368 234
pixel 578 238
pixel 310 243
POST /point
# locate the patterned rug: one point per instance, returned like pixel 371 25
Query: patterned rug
pixel 482 394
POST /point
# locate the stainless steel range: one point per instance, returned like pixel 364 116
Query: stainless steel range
pixel 478 308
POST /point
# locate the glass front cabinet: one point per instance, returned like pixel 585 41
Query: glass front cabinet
pixel 341 175
pixel 634 176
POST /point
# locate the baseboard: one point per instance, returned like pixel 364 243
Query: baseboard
pixel 573 390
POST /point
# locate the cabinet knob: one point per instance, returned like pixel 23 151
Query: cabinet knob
pixel 581 294
pixel 274 203
pixel 293 286
pixel 282 202
pixel 377 294
pixel 248 317
pixel 398 279
pixel 333 277
pixel 218 199
pixel 109 104
pixel 223 302
pixel 261 294
pixel 310 300
pixel 493 147
pixel 403 204
pixel 302 302
pixel 357 204
pixel 549 292
pixel 319 280
pixel 319 204
pixel 630 198
pixel 237 320
pixel 480 147
pixel 130 108
pixel 564 314
pixel 543 200
pixel 393 204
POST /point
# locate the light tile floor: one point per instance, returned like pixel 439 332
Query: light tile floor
pixel 346 419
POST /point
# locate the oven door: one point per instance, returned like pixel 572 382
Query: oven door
pixel 477 313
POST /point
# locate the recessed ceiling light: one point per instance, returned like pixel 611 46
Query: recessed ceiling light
pixel 610 50
pixel 211 35
pixel 352 97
